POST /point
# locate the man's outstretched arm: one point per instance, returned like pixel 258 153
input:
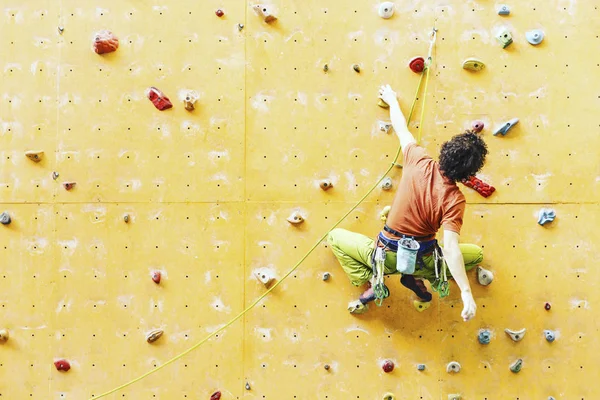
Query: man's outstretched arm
pixel 456 264
pixel 398 121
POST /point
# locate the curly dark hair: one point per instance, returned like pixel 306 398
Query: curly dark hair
pixel 462 156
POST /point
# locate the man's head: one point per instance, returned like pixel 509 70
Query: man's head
pixel 462 156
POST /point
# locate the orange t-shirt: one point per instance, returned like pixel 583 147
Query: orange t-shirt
pixel 425 200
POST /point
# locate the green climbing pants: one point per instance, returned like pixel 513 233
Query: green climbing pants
pixel 354 251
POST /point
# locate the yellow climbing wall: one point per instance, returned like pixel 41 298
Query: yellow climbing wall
pixel 208 192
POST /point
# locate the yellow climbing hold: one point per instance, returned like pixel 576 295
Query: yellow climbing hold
pixel 473 64
pixel 421 305
pixel 384 213
pixel 35 156
pixel 389 396
pixel 382 104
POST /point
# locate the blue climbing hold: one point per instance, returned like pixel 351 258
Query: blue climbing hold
pixel 503 10
pixel 503 130
pixel 546 215
pixel 484 336
pixel 421 367
pixel 549 336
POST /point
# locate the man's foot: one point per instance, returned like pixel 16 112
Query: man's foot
pixel 417 286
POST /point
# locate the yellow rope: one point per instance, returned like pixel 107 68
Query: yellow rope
pixel 255 302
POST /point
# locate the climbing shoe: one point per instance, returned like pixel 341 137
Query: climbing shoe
pixel 417 286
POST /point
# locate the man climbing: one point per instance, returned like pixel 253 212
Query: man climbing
pixel 427 199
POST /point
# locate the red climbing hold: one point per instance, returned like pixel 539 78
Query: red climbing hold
pixel 480 186
pixel 417 64
pixel 219 13
pixel 159 99
pixel 156 276
pixel 388 366
pixel 216 396
pixel 547 306
pixel 477 126
pixel 105 42
pixel 62 365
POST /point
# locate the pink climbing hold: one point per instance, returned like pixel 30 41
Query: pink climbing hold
pixel 62 365
pixel 158 98
pixel 216 396
pixel 219 13
pixel 480 186
pixel 477 126
pixel 156 275
pixel 388 366
pixel 417 64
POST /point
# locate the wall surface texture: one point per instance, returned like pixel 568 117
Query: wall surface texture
pixel 207 194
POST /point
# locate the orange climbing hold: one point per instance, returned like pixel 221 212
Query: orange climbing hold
pixel 156 275
pixel 69 185
pixel 158 98
pixel 62 365
pixel 417 64
pixel 480 186
pixel 105 42
pixel 216 396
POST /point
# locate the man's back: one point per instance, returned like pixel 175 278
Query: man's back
pixel 425 199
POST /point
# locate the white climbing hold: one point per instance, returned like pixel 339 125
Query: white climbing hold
pixel 264 12
pixel 386 10
pixel 535 36
pixel 295 218
pixel 516 335
pixel 386 184
pixel 484 276
pixel 264 276
pixel 385 126
pixel 453 367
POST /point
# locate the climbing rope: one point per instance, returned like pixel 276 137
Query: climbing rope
pixel 323 237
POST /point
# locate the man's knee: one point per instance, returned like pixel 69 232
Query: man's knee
pixel 475 257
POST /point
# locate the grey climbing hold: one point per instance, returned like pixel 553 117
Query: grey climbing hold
pixel 421 367
pixel 5 218
pixel 453 366
pixel 126 218
pixel 326 276
pixel 516 366
pixel 535 36
pixel 551 398
pixel 546 215
pixel 386 10
pixel 357 307
pixel 516 335
pixel 55 175
pixel 325 68
pixel 240 27
pixel 503 10
pixel 248 386
pixel 389 396
pixel 386 184
pixel 504 37
pixel 484 277
pixel 550 336
pixel 454 397
pixel 61 29
pixel 503 130
pixel 356 68
pixel 484 336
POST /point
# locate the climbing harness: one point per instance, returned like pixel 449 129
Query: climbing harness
pixel 308 253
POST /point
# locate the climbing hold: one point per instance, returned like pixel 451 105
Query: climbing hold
pixel 219 13
pixel 248 386
pixel 156 275
pixel 325 68
pixel 535 36
pixel 389 396
pixel 326 276
pixel 325 184
pixel 453 366
pixel 35 156
pixel 240 27
pixel 105 42
pixel 546 215
pixel 503 9
pixel 126 218
pixel 417 64
pixel 484 276
pixel 388 366
pixel 505 38
pixel 383 104
pixel 62 365
pixel 386 184
pixel 61 29
pixel 516 335
pixel 473 64
pixel 420 367
pixel 215 396
pixel 5 218
pixel 384 213
pixel 69 185
pixel 421 305
pixel 454 397
pixel 154 335
pixel 4 335
pixel 295 218
pixel 477 126
pixel 386 10
pixel 547 306
pixel 503 130
pixel 484 336
pixel 327 367
pixel 356 68
pixel 158 98
pixel 55 175
pixel 357 307
pixel 516 366
pixel 479 186
pixel 264 12
pixel 550 336
pixel 385 126
pixel 264 276
pixel 190 100
pixel 551 398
